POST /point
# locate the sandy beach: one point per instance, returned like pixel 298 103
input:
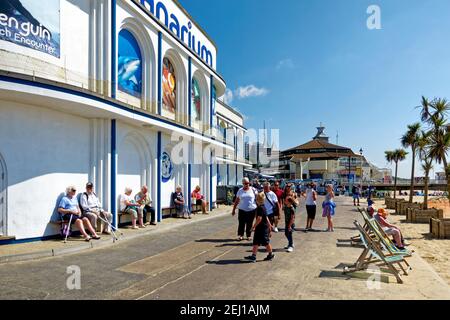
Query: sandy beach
pixel 436 252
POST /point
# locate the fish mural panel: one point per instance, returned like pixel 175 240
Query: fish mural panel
pixel 169 87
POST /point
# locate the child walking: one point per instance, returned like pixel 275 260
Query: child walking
pixel 262 230
pixel 289 218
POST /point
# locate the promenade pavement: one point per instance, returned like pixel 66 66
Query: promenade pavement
pixel 202 260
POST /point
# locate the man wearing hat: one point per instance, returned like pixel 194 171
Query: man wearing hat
pixel 92 209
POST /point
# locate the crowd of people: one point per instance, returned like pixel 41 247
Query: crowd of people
pixel 260 208
pixel 85 210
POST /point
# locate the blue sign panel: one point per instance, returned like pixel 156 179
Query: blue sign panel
pixel 30 23
pixel 166 167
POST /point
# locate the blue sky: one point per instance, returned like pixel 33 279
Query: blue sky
pixel 301 62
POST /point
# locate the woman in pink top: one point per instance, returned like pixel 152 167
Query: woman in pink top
pixel 199 199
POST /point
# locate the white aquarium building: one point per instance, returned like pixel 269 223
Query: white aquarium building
pixel 122 93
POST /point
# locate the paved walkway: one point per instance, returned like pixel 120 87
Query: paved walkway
pixel 202 260
pixel 57 247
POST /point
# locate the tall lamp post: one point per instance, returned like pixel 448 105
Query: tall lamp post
pixel 361 159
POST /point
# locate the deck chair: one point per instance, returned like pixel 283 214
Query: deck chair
pixel 385 240
pixel 356 240
pixel 373 254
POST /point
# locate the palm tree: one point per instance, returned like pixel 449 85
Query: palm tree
pixel 425 107
pixel 435 113
pixel 427 161
pixel 410 140
pixel 395 156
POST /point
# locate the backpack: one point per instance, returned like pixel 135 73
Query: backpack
pixel 79 199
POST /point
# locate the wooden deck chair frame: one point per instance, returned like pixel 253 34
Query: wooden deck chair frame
pixel 373 254
pixel 357 239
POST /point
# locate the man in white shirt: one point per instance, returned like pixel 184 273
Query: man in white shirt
pixel 271 205
pixel 92 209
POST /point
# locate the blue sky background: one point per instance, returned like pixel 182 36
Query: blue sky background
pixel 313 61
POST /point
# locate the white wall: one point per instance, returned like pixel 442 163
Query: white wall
pixel 136 151
pixel 45 151
pixel 240 175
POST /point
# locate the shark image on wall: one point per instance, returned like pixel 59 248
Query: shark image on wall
pixel 130 76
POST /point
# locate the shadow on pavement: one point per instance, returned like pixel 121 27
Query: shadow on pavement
pixel 228 262
pixel 348 245
pixel 334 274
pixel 345 228
pixel 237 244
pixel 216 240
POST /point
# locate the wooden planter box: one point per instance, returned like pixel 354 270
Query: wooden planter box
pixel 392 204
pixel 440 228
pixel 402 207
pixel 423 216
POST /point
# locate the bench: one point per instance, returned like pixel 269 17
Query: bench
pixel 127 217
pixel 171 212
pixel 74 228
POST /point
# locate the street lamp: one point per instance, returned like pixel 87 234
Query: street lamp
pixel 361 159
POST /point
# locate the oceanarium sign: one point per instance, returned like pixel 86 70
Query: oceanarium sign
pixel 31 23
pixel 186 32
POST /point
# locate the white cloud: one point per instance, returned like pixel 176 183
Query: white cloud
pixel 228 96
pixel 250 91
pixel 285 64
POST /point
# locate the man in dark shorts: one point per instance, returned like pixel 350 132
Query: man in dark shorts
pixel 311 206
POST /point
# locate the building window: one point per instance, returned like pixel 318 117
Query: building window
pixel 130 65
pixel 223 129
pixel 169 87
pixel 196 101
